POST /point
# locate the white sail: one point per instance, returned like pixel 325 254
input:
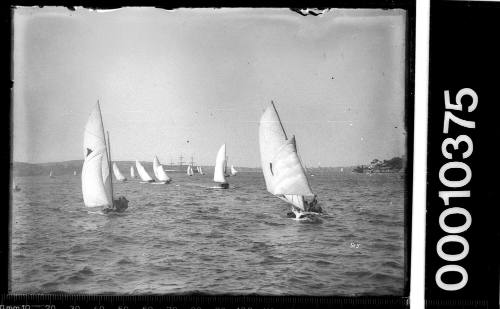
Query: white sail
pixel 283 172
pixel 233 170
pixel 118 175
pixel 220 164
pixel 132 172
pixel 161 175
pixel 189 170
pixel 74 173
pixel 51 174
pixel 142 172
pixel 96 178
pixel 156 163
pixel 341 169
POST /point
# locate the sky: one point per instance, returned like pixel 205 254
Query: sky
pixel 186 81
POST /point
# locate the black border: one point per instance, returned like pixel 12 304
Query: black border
pixel 227 301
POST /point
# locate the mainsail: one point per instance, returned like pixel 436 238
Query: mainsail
pixel 96 179
pixel 159 171
pixel 161 175
pixel 51 174
pixel 233 170
pixel 132 172
pixel 156 163
pixel 220 165
pixel 283 172
pixel 118 175
pixel 74 173
pixel 142 172
pixel 189 170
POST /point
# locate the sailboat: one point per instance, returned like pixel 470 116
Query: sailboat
pixel 142 173
pixel 51 174
pixel 189 170
pixel 160 172
pixel 341 169
pixel 284 174
pixel 200 170
pixel 233 170
pixel 132 172
pixel 15 187
pixel 97 183
pixel 220 169
pixel 118 175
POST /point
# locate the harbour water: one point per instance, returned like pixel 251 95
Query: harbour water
pixel 184 237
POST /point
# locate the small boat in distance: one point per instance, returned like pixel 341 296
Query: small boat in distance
pixel 233 170
pixel 51 174
pixel 97 182
pixel 200 170
pixel 132 172
pixel 142 173
pixel 74 173
pixel 118 175
pixel 160 172
pixel 284 173
pixel 189 170
pixel 220 169
pixel 15 187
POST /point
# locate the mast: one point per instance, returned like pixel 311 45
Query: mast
pixel 110 175
pixel 282 128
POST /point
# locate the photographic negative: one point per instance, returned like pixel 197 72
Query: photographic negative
pixel 214 151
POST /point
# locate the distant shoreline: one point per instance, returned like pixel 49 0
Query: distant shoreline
pixel 69 167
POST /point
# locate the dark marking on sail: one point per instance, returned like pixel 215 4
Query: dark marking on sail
pixel 271 168
pixel 89 151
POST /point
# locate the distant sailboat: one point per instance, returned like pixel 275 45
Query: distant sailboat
pixel 132 172
pixel 233 170
pixel 142 172
pixel 74 173
pixel 51 174
pixel 160 172
pixel 118 175
pixel 15 187
pixel 200 170
pixel 220 168
pixel 189 170
pixel 341 169
pixel 283 172
pixel 97 183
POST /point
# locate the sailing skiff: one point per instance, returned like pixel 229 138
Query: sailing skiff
pixel 283 171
